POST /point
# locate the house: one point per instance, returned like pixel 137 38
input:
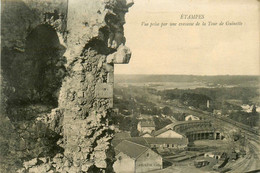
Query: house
pixel 119 137
pixel 249 109
pixel 146 135
pixel 154 142
pixel 169 133
pixel 135 158
pixel 217 112
pixel 146 126
pixel 167 143
pixel 191 118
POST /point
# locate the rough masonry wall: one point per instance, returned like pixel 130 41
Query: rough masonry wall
pixel 22 22
pixel 57 105
pixel 95 33
pixel 28 27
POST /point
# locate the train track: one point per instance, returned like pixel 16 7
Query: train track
pixel 252 159
pixel 249 162
pixel 230 121
pixel 242 126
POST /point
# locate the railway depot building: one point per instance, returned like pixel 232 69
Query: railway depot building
pixel 193 130
pixel 158 143
pixel 135 158
pixel 168 143
pixel 167 133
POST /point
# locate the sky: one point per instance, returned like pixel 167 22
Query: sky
pixel 193 50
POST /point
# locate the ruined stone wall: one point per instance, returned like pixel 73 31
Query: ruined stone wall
pixel 20 17
pixel 95 41
pixel 22 22
pixel 26 29
pixel 67 107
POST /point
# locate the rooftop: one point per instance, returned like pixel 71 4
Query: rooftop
pixel 172 125
pixel 131 149
pixel 147 141
pixel 122 135
pixel 147 123
pixel 182 141
pixel 158 132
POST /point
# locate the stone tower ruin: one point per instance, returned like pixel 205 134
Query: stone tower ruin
pixel 57 74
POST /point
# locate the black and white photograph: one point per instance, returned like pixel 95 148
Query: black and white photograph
pixel 130 86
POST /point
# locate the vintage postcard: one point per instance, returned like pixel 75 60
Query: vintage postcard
pixel 143 86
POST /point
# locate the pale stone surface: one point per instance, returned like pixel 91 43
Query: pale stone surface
pixel 122 56
pixel 30 163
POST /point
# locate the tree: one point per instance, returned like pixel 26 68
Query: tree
pixel 167 111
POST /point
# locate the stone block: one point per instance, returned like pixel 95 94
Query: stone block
pixel 121 56
pixel 104 90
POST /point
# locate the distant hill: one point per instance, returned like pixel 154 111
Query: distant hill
pixel 223 79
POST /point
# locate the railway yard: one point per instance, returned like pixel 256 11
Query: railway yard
pixel 249 162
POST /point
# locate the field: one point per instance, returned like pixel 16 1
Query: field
pixel 167 98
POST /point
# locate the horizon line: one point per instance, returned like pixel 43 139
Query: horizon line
pixel 194 74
